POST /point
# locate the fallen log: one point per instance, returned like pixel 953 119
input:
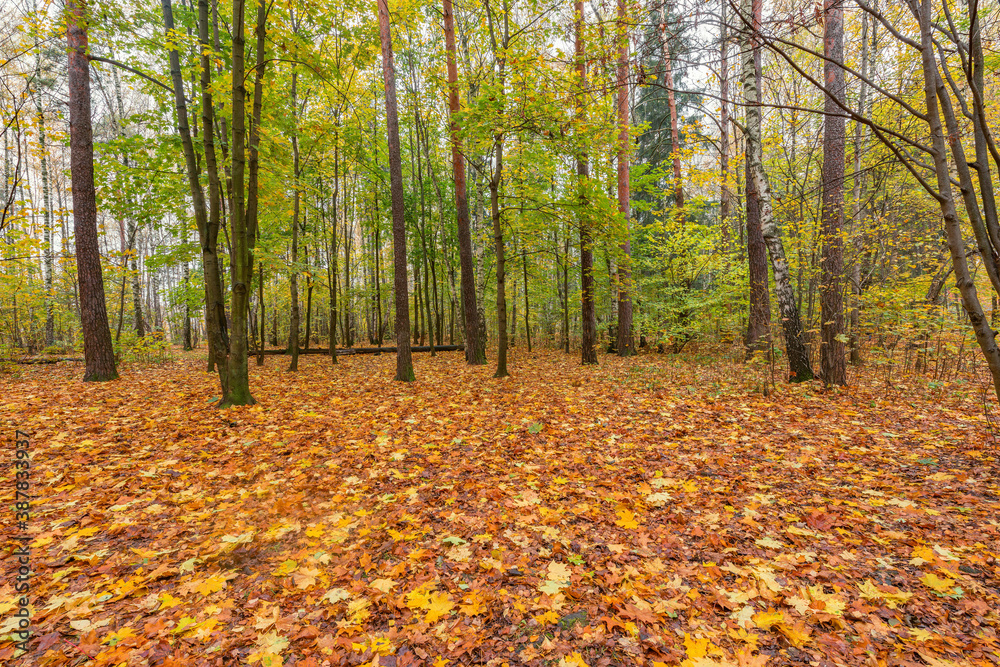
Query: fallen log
pixel 366 350
pixel 28 362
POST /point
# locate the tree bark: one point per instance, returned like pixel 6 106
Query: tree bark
pixel 858 196
pixel 475 349
pixel 626 342
pixel 293 283
pixel 588 315
pixel 758 338
pixel 243 217
pixel 833 366
pixel 97 347
pixel 404 360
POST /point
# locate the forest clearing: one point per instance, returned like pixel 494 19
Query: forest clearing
pixel 653 510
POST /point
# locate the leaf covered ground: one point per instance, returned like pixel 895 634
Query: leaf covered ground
pixel 649 511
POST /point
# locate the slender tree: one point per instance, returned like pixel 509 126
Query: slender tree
pixel 626 342
pixel 758 336
pixel 587 311
pixel 293 282
pixel 404 360
pixel 97 347
pixel 475 348
pixel 833 368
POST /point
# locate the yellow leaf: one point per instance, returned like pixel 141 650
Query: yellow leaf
pixel 697 647
pixel 214 583
pixel 922 555
pixel 870 591
pixel 116 637
pixel 626 519
pixel 939 584
pixel 167 601
pixel 547 618
pixel 419 598
pixel 184 624
pixel 797 635
pixel 286 568
pixel 766 620
pixel 384 585
pixel 335 595
pixel 573 660
pixel 439 604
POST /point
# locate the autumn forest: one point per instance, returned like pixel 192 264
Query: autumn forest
pixel 507 332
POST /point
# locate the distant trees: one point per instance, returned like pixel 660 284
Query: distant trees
pixel 592 196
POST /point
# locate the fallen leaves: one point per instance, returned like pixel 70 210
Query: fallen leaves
pixel 359 521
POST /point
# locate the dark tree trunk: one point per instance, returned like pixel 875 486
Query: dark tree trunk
pixel 501 262
pixel 404 360
pixel 243 221
pixel 833 367
pixel 527 305
pixel 293 329
pixel 260 298
pixel 588 316
pixel 475 349
pixel 97 347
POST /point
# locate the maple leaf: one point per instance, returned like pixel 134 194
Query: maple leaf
pixel 797 634
pixel 270 646
pixel 626 519
pixel 473 605
pixel 384 585
pixel 573 660
pixel 335 595
pixel 167 601
pixel 892 597
pixel 286 568
pixel 211 585
pixel 117 637
pixel 766 620
pixel 438 605
pixel 769 542
pixel 936 583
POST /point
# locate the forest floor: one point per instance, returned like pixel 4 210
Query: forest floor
pixel 658 510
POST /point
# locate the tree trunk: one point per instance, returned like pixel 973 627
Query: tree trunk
pixel 293 328
pixel 934 89
pixel 758 338
pixel 404 360
pixel 588 316
pixel 675 137
pixel 475 349
pixel 626 343
pixel 833 367
pixel 724 194
pixel 858 196
pixel 332 260
pixel 527 306
pixel 798 355
pixel 243 221
pixel 260 298
pixel 97 347
pixel 499 250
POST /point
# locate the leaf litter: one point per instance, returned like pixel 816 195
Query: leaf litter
pixel 646 511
